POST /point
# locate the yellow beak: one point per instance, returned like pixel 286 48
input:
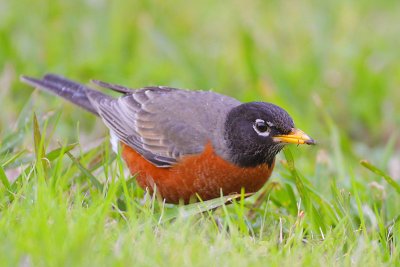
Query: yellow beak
pixel 296 136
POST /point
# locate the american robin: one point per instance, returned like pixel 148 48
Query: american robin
pixel 186 142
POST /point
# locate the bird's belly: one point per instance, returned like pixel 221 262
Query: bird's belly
pixel 204 174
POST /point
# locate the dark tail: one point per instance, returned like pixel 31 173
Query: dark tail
pixel 72 91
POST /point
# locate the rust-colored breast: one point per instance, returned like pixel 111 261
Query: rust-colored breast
pixel 204 174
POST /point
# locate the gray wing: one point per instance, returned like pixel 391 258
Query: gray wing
pixel 163 124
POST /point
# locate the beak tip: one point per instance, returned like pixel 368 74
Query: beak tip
pixel 310 142
pixel 295 137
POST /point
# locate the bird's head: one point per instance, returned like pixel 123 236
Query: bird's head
pixel 257 131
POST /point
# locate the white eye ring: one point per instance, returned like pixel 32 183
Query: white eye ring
pixel 266 133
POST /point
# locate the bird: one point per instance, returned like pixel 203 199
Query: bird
pixel 185 145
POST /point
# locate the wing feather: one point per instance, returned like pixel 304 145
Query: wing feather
pixel 163 124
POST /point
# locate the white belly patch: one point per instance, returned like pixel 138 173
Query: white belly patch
pixel 114 142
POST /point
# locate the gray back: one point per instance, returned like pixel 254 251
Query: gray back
pixel 163 124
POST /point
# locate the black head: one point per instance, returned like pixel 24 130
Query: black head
pixel 257 131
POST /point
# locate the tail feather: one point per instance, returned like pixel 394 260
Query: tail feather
pixel 54 78
pixel 72 91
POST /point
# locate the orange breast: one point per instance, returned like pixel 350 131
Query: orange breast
pixel 205 174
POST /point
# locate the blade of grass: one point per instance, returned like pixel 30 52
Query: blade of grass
pixel 202 206
pixel 11 141
pixel 299 184
pixel 57 115
pixel 359 207
pixel 4 179
pixel 390 146
pixel 6 183
pixel 263 196
pixel 37 137
pixel 13 158
pixel 51 156
pixel 25 115
pixel 24 173
pixel 38 141
pixel 54 154
pixel 381 173
pixel 305 197
pixel 87 173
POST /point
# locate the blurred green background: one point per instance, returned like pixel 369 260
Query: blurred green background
pixel 334 65
pixel 320 60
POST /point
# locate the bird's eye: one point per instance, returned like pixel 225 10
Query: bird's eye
pixel 261 127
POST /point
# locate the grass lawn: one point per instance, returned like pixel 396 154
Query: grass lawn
pixel 67 200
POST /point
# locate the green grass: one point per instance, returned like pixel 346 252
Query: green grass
pixel 66 199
